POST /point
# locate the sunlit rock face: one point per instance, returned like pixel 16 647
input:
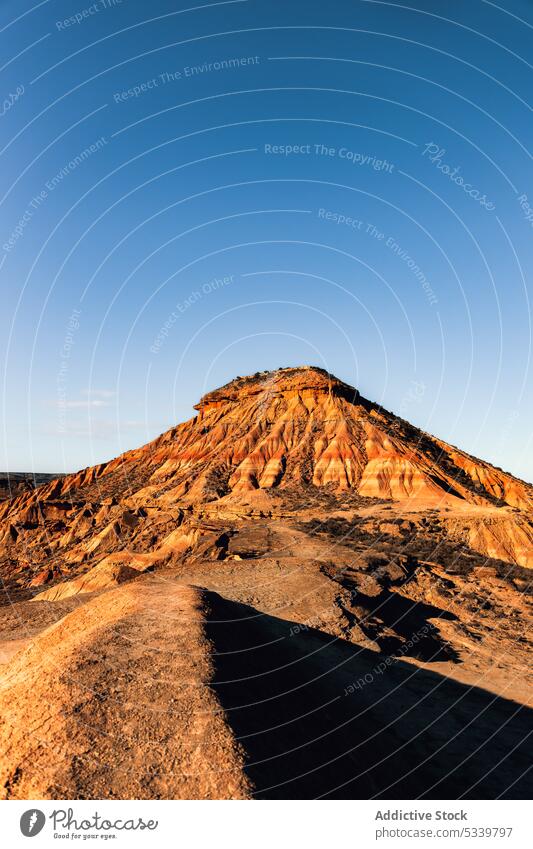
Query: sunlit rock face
pixel 273 552
pixel 292 429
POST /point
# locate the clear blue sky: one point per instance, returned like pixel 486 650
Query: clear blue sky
pixel 188 194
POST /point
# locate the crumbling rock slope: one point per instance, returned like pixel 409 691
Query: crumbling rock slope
pixel 126 710
pixel 295 594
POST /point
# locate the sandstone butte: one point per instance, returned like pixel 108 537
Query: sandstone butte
pixel 295 594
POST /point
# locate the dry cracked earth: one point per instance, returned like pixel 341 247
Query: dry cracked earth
pixel 295 594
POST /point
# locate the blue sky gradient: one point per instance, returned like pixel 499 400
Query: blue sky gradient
pixel 188 194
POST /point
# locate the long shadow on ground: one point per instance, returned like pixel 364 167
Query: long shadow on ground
pixel 317 720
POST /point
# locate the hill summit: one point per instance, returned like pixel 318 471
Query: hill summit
pixel 211 615
pixel 303 427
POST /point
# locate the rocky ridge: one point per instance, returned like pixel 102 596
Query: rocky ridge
pixel 291 498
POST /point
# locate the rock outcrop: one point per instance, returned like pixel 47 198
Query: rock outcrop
pixel 182 620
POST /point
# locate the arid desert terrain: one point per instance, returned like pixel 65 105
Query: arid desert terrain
pixel 296 594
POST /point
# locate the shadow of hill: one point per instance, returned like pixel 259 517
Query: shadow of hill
pixel 405 617
pixel 317 719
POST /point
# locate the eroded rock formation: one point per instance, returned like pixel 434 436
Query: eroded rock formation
pixel 295 526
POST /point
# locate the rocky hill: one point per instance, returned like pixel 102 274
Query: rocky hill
pixel 16 483
pixel 357 598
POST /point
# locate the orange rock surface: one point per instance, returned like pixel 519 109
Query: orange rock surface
pixel 289 513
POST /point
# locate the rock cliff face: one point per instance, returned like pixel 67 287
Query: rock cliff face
pixel 291 498
pixel 13 484
pixel 297 427
pixel 291 429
